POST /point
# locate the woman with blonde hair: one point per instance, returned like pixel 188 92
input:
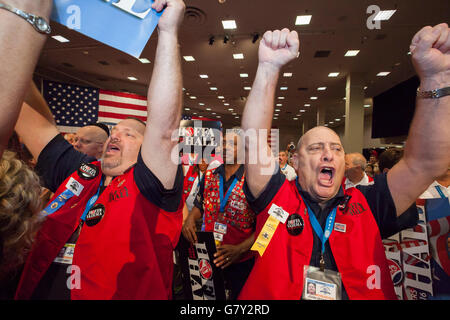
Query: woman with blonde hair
pixel 20 204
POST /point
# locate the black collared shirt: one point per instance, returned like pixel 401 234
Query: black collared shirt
pixel 198 202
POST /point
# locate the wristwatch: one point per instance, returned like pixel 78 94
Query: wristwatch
pixel 39 23
pixel 433 94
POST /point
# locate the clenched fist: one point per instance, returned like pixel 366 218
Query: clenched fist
pixel 278 47
pixel 430 49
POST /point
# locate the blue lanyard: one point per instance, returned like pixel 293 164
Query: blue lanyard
pixel 91 202
pixel 440 192
pixel 318 229
pixel 223 200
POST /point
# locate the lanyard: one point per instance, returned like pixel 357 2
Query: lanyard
pixel 91 201
pixel 440 192
pixel 284 168
pixel 223 200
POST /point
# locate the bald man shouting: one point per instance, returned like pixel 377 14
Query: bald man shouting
pixel 311 230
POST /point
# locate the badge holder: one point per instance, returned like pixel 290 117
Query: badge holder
pixel 321 285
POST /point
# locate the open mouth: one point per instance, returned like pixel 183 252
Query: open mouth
pixel 326 175
pixel 112 148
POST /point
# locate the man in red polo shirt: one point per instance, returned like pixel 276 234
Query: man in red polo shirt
pixel 311 230
pixel 110 229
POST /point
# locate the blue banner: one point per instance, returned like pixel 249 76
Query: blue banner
pixel 123 24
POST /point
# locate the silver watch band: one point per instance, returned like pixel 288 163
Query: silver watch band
pixel 433 94
pixel 39 23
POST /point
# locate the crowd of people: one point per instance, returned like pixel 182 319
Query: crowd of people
pixel 99 213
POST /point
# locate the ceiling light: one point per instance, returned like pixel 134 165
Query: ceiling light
pixel 331 122
pixel 294 118
pixel 144 60
pixel 237 117
pixel 213 113
pixel 213 88
pixel 60 39
pixel 302 110
pixel 243 75
pixel 321 88
pixel 201 104
pixel 229 24
pixel 276 114
pixel 208 109
pixel 384 15
pixel 277 110
pixel 247 88
pixel 279 104
pixel 203 76
pixel 281 98
pixel 283 88
pixel 238 56
pixel 367 106
pixel 303 20
pixel 333 74
pixel 313 98
pixel 383 74
pixel 351 53
pixel 337 119
pixel 230 109
pixel 187 109
pixel 188 58
pixel 220 97
pixel 218 117
pixel 132 78
pixel 275 118
pixel 193 97
pixel 307 105
pixel 287 74
pixel 227 104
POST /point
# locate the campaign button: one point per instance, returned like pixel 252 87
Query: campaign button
pixel 88 171
pixel 95 215
pixel 294 224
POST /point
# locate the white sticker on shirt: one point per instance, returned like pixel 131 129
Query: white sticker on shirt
pixel 278 213
pixel 74 186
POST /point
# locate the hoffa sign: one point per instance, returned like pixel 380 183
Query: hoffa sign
pixel 202 280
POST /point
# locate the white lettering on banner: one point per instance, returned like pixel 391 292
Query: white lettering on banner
pixel 74 20
pixel 417 277
pixel 74 281
pixel 374 280
pixel 202 289
pixel 127 6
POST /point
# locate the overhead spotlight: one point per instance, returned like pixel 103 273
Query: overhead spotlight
pixel 211 40
pixel 255 37
pixel 226 38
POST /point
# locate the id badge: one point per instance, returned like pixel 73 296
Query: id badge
pixel 321 285
pixel 220 228
pixel 65 255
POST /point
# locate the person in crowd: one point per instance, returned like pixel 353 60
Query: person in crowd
pixel 389 158
pixel 355 175
pixel 20 204
pixel 286 169
pixel 225 212
pixel 111 227
pixel 440 188
pixel 311 228
pixel 90 139
pixel 192 182
pixel 70 137
pixel 369 170
pixel 20 49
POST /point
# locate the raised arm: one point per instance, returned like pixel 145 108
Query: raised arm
pixel 164 95
pixel 427 150
pixel 20 47
pixel 276 49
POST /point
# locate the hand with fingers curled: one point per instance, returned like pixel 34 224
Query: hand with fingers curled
pixel 189 229
pixel 430 51
pixel 172 16
pixel 278 48
pixel 226 255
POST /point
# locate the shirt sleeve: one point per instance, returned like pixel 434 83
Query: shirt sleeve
pixel 265 198
pixel 57 161
pixel 198 201
pixel 383 209
pixel 149 185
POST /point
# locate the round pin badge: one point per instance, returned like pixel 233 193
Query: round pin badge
pixel 88 171
pixel 294 224
pixel 95 215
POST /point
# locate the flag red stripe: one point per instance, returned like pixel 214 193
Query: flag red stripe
pixel 119 116
pixel 108 103
pixel 122 94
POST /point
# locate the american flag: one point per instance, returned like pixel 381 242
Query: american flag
pixel 75 106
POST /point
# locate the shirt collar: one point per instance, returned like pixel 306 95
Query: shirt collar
pixel 238 174
pixel 340 196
